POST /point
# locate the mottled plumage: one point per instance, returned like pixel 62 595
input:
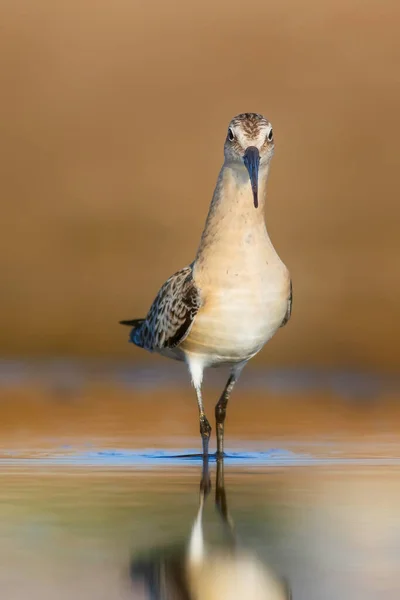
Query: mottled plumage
pixel 171 315
pixel 251 123
pixel 223 307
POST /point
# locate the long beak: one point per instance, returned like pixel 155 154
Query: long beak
pixel 252 161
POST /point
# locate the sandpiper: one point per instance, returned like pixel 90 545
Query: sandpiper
pixel 222 308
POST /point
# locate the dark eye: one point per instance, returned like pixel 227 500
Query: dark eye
pixel 231 135
pixel 270 135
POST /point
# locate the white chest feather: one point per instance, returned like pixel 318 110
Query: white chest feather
pixel 245 301
pixel 236 321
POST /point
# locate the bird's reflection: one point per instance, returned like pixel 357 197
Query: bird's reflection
pixel 197 571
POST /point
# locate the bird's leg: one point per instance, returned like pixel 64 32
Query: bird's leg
pixel 220 409
pixel 196 368
pixel 205 427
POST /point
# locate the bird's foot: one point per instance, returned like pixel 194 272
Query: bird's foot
pixel 205 427
pixel 205 431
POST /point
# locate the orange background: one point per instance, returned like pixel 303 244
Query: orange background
pixel 112 125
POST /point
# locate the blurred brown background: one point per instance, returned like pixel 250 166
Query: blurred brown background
pixel 111 131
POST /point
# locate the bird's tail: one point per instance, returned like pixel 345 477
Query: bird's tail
pixel 132 322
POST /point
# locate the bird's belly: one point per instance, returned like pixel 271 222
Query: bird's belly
pixel 236 322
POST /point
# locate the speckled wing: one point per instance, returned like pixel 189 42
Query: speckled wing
pixel 171 315
pixel 289 306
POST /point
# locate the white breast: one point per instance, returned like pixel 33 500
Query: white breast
pixel 241 314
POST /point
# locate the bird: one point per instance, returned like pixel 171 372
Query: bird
pixel 222 308
pixel 198 569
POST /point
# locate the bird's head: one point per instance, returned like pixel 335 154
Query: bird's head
pixel 249 143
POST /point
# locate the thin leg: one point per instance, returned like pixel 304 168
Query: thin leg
pixel 220 409
pixel 205 427
pixel 196 367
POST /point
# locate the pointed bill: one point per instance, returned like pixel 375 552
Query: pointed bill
pixel 251 160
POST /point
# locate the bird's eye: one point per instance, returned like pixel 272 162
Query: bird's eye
pixel 270 135
pixel 231 135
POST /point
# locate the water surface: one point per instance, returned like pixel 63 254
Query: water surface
pixel 100 488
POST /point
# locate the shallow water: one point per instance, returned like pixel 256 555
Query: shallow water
pixel 100 491
pixel 331 531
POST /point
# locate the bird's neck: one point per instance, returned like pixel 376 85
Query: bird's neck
pixel 232 214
